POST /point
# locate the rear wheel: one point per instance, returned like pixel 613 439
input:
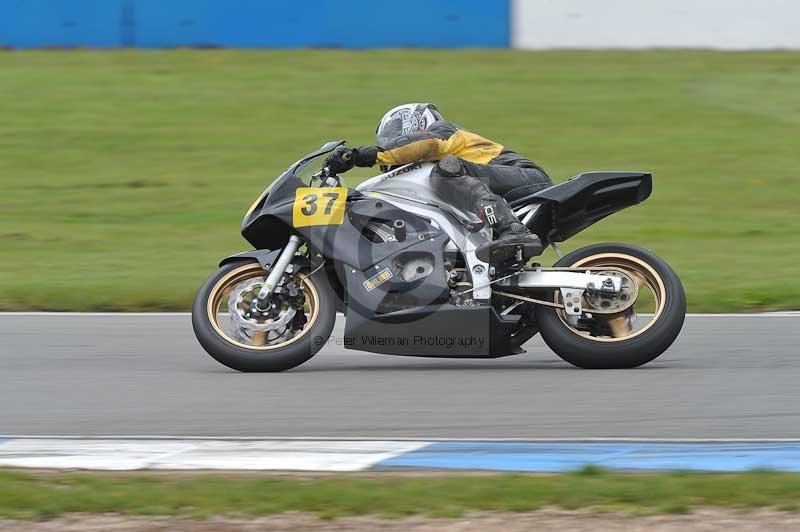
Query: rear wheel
pixel 623 331
pixel 247 335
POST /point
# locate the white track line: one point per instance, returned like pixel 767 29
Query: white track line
pixel 192 453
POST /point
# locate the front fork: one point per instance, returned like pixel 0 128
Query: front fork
pixel 279 267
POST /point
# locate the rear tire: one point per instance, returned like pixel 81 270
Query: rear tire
pixel 250 359
pixel 640 348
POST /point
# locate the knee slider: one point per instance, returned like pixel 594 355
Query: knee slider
pixel 450 167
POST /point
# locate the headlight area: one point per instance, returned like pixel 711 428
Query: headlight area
pixel 257 204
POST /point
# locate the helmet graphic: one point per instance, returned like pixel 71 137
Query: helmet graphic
pixel 405 119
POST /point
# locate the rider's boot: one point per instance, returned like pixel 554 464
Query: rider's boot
pixel 512 237
pixel 513 241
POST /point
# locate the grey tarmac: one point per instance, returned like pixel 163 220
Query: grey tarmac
pixel 145 375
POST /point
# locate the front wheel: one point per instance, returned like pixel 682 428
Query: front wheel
pixel 625 330
pixel 247 335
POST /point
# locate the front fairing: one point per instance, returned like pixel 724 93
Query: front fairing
pixel 275 217
pixel 296 175
pixel 284 186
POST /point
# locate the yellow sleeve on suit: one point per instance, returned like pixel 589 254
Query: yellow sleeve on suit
pixel 461 144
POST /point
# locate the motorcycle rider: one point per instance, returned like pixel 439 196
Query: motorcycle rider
pixel 472 173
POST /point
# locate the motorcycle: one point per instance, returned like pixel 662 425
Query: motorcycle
pixel 400 264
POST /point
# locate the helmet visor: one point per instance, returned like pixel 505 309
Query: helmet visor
pixel 389 131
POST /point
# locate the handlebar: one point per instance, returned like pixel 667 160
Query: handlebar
pixel 324 176
pixel 326 173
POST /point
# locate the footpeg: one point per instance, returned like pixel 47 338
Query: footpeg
pixel 519 247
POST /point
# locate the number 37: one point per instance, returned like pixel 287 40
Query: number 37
pixel 319 206
pixel 310 207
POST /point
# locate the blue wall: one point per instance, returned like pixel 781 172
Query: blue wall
pixel 254 23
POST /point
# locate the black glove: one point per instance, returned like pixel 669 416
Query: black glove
pixel 341 160
pixel 366 155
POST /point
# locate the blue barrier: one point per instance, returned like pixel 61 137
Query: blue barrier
pixel 254 23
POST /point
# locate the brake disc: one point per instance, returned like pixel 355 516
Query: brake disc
pixel 240 304
pixel 604 303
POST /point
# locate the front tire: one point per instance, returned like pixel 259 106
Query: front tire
pixel 601 345
pixel 257 352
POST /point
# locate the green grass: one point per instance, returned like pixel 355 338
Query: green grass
pixel 125 173
pixel 25 496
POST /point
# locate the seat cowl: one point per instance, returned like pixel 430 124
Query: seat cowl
pixel 580 182
pixel 587 198
pixel 566 190
pixel 524 191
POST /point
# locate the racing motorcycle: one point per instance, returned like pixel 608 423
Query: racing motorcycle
pixel 400 264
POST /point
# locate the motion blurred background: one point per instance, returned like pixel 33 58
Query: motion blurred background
pixel 135 133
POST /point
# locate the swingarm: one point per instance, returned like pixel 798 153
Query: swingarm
pixel 604 285
pixel 563 278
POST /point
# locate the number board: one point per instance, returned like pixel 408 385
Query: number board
pixel 318 206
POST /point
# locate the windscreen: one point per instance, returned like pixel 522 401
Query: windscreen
pixel 300 174
pixel 308 168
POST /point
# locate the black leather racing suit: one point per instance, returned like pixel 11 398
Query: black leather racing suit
pixel 491 170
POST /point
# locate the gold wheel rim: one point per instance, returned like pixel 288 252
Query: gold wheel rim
pixel 641 272
pixel 249 271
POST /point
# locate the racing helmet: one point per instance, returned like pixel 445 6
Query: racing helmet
pixel 405 119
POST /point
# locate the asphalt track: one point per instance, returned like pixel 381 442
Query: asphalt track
pixel 137 375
